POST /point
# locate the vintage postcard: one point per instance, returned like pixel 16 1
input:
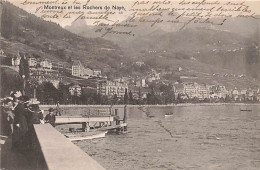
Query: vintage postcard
pixel 130 84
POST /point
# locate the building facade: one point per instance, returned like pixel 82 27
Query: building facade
pixel 110 88
pixel 77 68
pixel 75 90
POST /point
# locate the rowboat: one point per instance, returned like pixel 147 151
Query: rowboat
pixel 168 115
pixel 246 110
pixel 86 135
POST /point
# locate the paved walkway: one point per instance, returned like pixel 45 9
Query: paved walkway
pixel 13 160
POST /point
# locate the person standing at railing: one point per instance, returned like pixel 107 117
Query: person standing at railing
pixel 58 109
pixel 35 116
pixel 50 117
pixel 20 126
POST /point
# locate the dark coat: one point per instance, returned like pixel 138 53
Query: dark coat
pixel 34 116
pixel 20 117
pixel 50 119
pixel 6 121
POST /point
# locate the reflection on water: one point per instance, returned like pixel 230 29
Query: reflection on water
pixel 195 137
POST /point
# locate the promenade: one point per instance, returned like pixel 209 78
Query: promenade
pixel 51 150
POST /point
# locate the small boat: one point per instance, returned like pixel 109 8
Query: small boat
pixel 246 110
pixel 86 135
pixel 168 115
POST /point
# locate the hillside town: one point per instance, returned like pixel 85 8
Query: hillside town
pixel 81 82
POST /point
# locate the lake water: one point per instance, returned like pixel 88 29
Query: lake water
pixel 195 137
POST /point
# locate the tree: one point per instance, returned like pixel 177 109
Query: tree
pixel 131 100
pixel 115 99
pixel 99 98
pixel 24 67
pixel 149 98
pixel 126 97
pixel 9 81
pixel 153 97
pixel 48 93
pixel 63 94
pixel 139 96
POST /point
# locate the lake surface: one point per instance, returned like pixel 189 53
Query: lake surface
pixel 195 137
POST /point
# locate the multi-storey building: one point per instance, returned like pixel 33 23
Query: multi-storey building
pixel 203 91
pixel 235 94
pixel 77 68
pixel 46 64
pixel 139 92
pixel 218 91
pixel 141 83
pixel 88 72
pixel 42 75
pixel 16 60
pixel 75 90
pixel 110 88
pixel 96 72
pixel 190 90
pixel 32 62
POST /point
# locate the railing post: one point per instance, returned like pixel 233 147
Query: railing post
pixel 84 125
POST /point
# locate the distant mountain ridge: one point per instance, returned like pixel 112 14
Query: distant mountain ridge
pixel 197 50
pixel 232 46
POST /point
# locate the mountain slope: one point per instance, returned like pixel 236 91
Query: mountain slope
pixel 49 40
pixel 234 46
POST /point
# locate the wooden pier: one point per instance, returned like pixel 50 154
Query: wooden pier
pixel 80 119
pixel 107 122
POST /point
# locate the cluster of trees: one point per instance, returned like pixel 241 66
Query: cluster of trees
pixel 10 81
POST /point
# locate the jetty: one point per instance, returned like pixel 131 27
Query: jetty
pixel 104 122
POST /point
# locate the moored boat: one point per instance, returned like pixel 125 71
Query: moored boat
pixel 168 115
pixel 246 110
pixel 86 135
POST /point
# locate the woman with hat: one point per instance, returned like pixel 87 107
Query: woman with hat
pixel 20 126
pixel 34 113
pixel 34 117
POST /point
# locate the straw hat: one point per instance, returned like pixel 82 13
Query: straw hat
pixel 18 94
pixel 33 101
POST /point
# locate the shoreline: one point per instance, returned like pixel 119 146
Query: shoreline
pixel 169 105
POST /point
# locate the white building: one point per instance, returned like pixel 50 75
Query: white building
pixel 77 68
pixel 110 88
pixel 139 63
pixel 190 90
pixel 32 62
pixel 88 72
pixel 75 90
pixel 2 54
pixel 46 64
pixel 203 91
pixel 141 83
pixel 16 61
pixel 96 72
